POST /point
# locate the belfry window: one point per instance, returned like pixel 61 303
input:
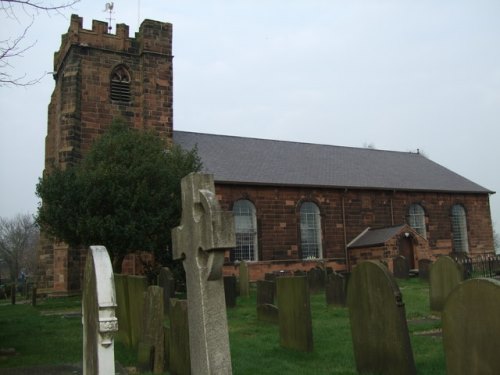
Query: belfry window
pixel 310 231
pixel 416 219
pixel 120 84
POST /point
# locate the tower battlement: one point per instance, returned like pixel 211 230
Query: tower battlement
pixel 153 37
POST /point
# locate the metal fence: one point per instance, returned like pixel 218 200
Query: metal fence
pixel 480 266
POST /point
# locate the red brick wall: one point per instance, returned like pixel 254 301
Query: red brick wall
pixel 278 219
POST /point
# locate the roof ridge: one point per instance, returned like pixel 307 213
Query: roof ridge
pixel 299 143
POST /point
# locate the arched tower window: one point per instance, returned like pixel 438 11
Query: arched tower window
pixel 459 229
pixel 120 84
pixel 245 221
pixel 310 230
pixel 416 219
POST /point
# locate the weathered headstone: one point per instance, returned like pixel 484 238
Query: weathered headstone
pixel 378 323
pixel 122 310
pixel 335 290
pixel 244 280
pixel 294 311
pixel 230 290
pixel 445 274
pixel 266 309
pixel 179 359
pixel 137 286
pixel 471 328
pixel 201 240
pixel 424 266
pixel 401 267
pixel 151 345
pixel 316 278
pixel 98 307
pixel 166 280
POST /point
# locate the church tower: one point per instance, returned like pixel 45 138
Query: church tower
pixel 101 76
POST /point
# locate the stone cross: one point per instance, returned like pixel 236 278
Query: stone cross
pixel 201 239
pixel 98 318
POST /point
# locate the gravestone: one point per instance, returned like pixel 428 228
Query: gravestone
pixel 122 310
pixel 166 280
pixel 179 359
pixel 270 276
pixel 424 266
pixel 230 291
pixel 471 328
pixel 98 313
pixel 294 312
pixel 378 323
pixel 299 273
pixel 267 311
pixel 244 280
pixel 137 286
pixel 201 240
pixel 401 267
pixel 316 278
pixel 445 274
pixel 335 290
pixel 151 346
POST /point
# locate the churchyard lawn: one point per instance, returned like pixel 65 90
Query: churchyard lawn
pixel 51 333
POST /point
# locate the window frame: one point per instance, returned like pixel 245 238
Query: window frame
pixel 416 220
pixel 460 238
pixel 310 223
pixel 245 236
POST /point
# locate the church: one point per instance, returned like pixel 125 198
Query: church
pixel 296 205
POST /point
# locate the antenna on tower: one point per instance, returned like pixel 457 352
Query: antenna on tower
pixel 109 9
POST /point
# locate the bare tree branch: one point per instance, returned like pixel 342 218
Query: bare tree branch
pixel 13 47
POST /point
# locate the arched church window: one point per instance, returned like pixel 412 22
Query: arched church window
pixel 310 231
pixel 416 219
pixel 459 229
pixel 120 84
pixel 245 221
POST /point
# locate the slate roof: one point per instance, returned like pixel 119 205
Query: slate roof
pixel 372 237
pixel 240 160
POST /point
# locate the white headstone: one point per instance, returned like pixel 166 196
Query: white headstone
pixel 98 308
pixel 205 232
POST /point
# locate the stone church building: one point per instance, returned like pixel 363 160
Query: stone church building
pixel 296 205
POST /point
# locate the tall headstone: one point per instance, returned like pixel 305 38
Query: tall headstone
pixel 98 307
pixel 471 328
pixel 267 311
pixel 335 290
pixel 424 266
pixel 378 323
pixel 179 359
pixel 122 310
pixel 401 267
pixel 166 280
pixel 294 311
pixel 244 280
pixel 444 276
pixel 137 286
pixel 230 290
pixel 201 240
pixel 151 346
pixel 316 278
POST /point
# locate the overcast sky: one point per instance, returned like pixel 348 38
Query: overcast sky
pixel 400 75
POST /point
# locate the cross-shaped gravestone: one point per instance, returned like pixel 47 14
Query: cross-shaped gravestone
pixel 201 239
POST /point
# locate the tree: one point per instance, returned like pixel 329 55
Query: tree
pixel 18 241
pixel 125 194
pixel 14 46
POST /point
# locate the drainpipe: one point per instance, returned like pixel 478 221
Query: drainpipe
pixel 345 234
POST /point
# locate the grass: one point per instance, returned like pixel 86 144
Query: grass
pixel 40 338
